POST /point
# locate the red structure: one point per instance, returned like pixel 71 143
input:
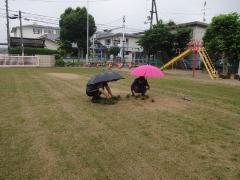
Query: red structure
pixel 195 46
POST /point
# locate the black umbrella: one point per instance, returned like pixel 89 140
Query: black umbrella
pixel 104 77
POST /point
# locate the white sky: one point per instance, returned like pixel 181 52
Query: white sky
pixel 106 11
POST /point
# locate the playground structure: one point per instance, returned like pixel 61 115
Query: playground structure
pixel 195 47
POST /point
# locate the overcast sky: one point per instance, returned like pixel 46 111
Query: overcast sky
pixel 109 12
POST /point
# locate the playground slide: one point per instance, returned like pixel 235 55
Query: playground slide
pixel 208 63
pixel 176 59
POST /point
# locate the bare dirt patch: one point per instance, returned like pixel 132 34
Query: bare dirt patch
pixel 156 103
pixel 65 76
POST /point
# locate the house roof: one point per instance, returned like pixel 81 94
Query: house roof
pixel 194 23
pixel 34 26
pixel 188 24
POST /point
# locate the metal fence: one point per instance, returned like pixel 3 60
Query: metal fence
pixel 19 61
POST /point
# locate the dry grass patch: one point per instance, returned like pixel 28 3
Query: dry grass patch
pixel 50 129
pixel 65 76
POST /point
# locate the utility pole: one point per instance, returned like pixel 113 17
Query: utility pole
pixel 8 31
pixel 93 47
pixel 21 31
pixel 204 11
pixel 87 32
pixel 153 11
pixel 123 41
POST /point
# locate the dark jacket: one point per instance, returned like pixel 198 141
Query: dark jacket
pixel 139 85
pixel 93 89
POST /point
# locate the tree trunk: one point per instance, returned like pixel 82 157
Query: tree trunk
pixel 79 52
pixel 225 64
pixel 239 69
pixel 82 53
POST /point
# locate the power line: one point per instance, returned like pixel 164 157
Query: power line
pixel 42 15
pixel 71 1
pixel 32 14
pixel 55 21
pixel 113 21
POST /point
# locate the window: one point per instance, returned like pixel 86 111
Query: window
pixel 48 31
pixel 116 42
pixel 107 41
pixel 37 31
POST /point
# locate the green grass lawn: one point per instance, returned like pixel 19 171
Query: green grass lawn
pixel 49 129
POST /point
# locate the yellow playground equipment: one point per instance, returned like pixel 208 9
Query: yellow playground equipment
pixel 196 47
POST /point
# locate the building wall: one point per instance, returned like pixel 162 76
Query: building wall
pixel 28 32
pixel 131 45
pixel 198 33
pixel 51 45
pixel 134 45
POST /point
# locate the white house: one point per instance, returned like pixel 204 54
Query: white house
pixel 48 33
pixel 105 40
pixel 51 41
pixel 35 31
pixel 198 29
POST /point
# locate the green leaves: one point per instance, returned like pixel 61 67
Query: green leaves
pixel 73 26
pixel 165 38
pixel 33 51
pixel 223 36
pixel 114 51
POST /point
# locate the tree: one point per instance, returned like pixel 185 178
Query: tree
pixel 65 47
pixel 182 37
pixel 222 38
pixel 73 27
pixel 114 50
pixel 165 38
pixel 157 39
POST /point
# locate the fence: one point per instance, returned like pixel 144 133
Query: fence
pixel 46 60
pixel 19 61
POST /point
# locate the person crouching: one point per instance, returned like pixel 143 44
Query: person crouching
pixel 96 90
pixel 139 86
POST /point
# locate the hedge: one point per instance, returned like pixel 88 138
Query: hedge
pixel 33 51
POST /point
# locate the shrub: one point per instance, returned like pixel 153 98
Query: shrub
pixel 33 51
pixel 60 62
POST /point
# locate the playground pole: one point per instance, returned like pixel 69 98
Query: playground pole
pixel 194 61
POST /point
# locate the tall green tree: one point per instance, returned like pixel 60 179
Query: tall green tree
pixel 222 38
pixel 114 50
pixel 182 37
pixel 73 27
pixel 157 39
pixel 164 39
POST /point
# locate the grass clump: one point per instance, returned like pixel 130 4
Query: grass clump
pixel 107 101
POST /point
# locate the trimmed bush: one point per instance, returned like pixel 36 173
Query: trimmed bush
pixel 33 51
pixel 60 62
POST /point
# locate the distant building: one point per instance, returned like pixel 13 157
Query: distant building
pixel 49 34
pixel 198 29
pixel 51 41
pixel 28 42
pixel 106 40
pixel 35 31
pixel 116 39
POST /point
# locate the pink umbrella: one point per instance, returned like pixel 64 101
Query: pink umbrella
pixel 147 71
